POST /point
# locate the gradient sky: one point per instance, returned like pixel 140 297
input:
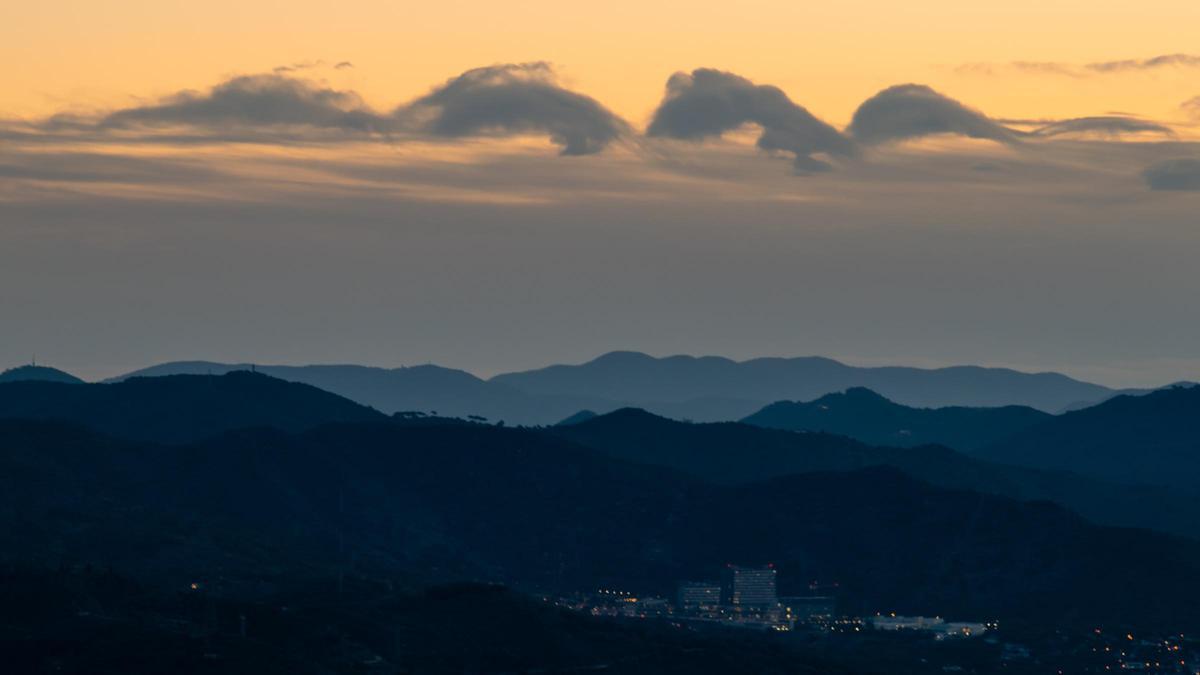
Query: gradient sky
pixel 333 199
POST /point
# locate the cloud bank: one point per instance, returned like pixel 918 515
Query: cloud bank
pixel 284 107
pixel 707 103
pixel 1174 174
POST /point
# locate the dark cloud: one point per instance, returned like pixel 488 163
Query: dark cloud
pixel 914 110
pixel 1173 174
pixel 707 103
pixel 251 101
pixel 342 65
pixel 278 107
pixel 1105 125
pixel 514 99
pixel 1185 60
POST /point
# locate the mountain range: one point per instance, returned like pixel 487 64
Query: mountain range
pixel 738 453
pixel 180 408
pixel 632 376
pixel 257 510
pixel 866 416
pixel 680 387
pixel 427 388
pixel 1149 439
pixel 1136 438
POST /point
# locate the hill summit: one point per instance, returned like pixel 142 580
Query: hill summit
pixel 864 415
pixel 38 374
pixel 181 408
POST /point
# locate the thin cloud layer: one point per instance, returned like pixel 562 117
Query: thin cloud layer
pixel 1103 125
pixel 1162 61
pixel 909 111
pixel 1174 174
pixel 1192 107
pixel 515 99
pixel 707 103
pixel 1087 69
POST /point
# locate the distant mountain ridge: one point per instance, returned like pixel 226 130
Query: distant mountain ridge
pixel 629 376
pixel 868 417
pixel 705 389
pixel 424 388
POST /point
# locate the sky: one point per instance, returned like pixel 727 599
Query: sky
pixel 502 186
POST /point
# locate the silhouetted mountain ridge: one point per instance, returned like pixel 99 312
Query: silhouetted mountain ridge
pixel 1152 439
pixel 38 374
pixel 476 502
pixel 736 453
pixel 682 387
pixel 866 416
pixel 425 388
pixel 180 408
pixel 581 416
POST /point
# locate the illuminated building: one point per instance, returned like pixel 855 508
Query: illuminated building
pixel 810 609
pixel 698 595
pixel 750 588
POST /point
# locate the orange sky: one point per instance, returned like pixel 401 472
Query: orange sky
pixel 1073 252
pixel 827 56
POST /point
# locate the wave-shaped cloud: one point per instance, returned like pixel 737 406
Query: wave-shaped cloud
pixel 505 99
pixel 707 103
pixel 515 99
pixel 274 99
pixel 909 111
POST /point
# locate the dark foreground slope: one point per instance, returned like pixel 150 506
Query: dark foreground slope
pixel 182 407
pixel 260 511
pixel 80 622
pixel 1151 439
pixel 866 416
pixel 741 453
